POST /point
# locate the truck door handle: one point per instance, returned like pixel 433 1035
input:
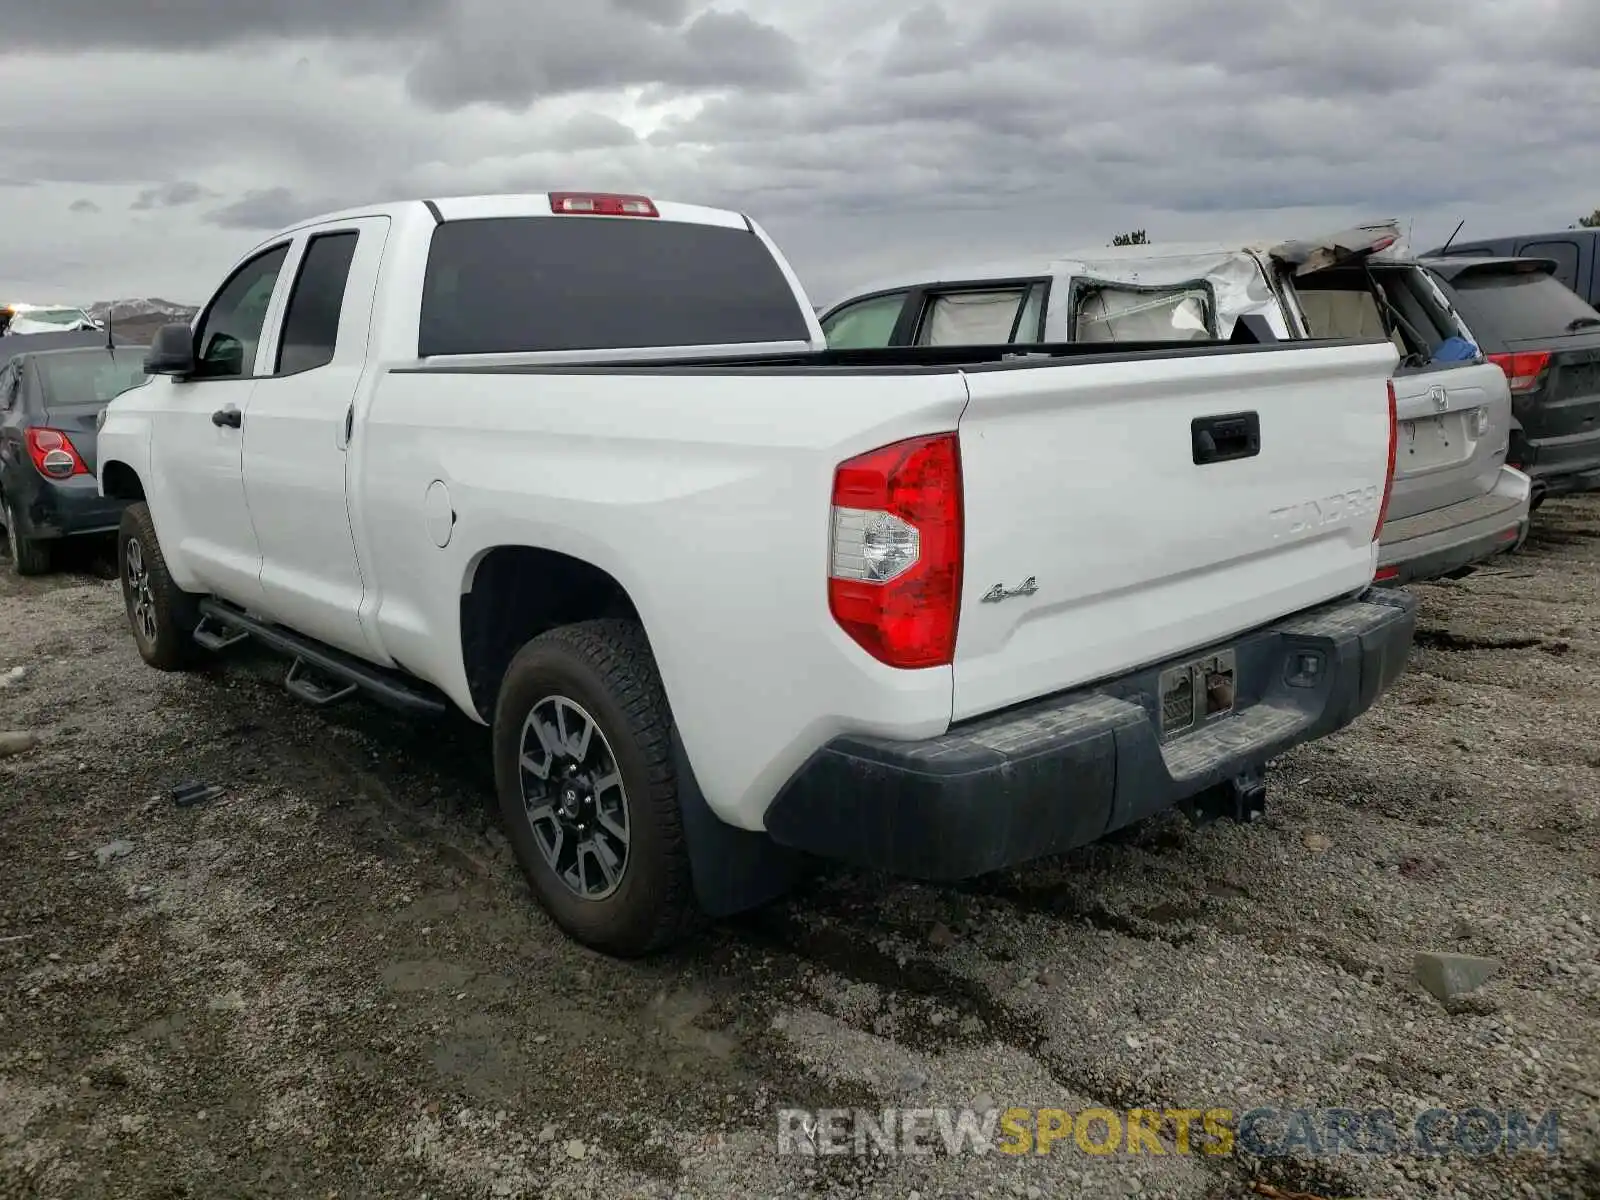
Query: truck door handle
pixel 1225 437
pixel 230 417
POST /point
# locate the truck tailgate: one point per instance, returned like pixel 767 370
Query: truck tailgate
pixel 1092 481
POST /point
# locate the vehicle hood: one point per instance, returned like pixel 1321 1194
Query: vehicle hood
pixel 1380 240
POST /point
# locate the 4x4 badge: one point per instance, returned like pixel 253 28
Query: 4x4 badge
pixel 1000 592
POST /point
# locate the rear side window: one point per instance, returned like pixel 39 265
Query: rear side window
pixel 1522 306
pixel 970 318
pixel 1105 312
pixel 508 285
pixel 865 324
pixel 1563 253
pixel 311 324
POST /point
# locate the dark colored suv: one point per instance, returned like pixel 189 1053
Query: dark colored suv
pixel 1547 341
pixel 53 387
pixel 1574 251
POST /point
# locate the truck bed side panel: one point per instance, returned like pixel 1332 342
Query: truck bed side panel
pixel 707 498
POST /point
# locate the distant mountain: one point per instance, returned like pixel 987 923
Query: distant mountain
pixel 141 310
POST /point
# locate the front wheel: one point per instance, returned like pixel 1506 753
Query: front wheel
pixel 583 768
pixel 163 616
pixel 29 556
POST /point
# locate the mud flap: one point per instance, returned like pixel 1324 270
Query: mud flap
pixel 733 869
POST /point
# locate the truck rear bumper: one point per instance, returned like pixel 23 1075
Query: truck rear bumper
pixel 1061 772
pixel 1433 544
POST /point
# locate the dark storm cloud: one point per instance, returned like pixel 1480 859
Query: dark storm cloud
pixel 83 205
pixel 266 209
pixel 69 25
pixel 927 42
pixel 662 12
pixel 589 131
pixel 170 195
pixel 721 48
pixel 934 124
pixel 487 55
pixel 1309 47
pixel 1199 107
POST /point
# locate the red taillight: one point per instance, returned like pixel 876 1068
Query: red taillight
pixel 1523 371
pixel 894 575
pixel 54 454
pixel 1386 573
pixel 1388 474
pixel 602 204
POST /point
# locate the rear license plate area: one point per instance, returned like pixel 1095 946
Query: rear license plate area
pixel 1431 441
pixel 1195 693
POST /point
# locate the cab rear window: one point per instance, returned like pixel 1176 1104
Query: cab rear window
pixel 508 285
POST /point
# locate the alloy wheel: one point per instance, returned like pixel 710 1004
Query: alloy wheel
pixel 573 794
pixel 141 602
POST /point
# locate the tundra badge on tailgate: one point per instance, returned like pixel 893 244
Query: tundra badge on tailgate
pixel 1324 510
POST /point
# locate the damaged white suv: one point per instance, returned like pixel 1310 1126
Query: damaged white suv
pixel 1456 503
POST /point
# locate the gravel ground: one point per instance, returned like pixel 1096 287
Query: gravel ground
pixel 331 981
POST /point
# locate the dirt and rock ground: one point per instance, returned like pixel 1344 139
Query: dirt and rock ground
pixel 331 982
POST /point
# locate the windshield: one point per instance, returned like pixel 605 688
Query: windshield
pixel 1522 306
pixel 89 376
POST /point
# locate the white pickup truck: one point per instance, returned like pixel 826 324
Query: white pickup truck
pixel 581 466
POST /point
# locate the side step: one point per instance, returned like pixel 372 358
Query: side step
pixel 214 635
pixel 320 674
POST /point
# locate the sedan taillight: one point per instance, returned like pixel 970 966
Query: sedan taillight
pixel 54 455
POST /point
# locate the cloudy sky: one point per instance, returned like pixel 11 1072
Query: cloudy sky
pixel 144 147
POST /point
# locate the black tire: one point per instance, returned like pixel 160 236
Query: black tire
pixel 164 631
pixel 605 671
pixel 29 556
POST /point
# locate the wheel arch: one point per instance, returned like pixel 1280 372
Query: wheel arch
pixel 510 595
pixel 119 481
pixel 513 593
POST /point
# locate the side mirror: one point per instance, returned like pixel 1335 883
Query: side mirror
pixel 171 352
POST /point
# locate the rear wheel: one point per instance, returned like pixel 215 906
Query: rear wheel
pixel 583 768
pixel 29 556
pixel 163 616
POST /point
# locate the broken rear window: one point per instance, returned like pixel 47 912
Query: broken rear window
pixel 1108 312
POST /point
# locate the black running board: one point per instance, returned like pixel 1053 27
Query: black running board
pixel 223 625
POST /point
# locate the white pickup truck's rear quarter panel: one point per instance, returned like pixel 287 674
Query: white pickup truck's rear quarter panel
pixel 1084 479
pixel 706 497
